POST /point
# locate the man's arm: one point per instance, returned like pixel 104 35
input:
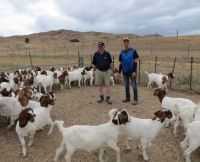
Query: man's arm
pixel 94 66
pixel 111 63
pixel 136 59
pixel 120 63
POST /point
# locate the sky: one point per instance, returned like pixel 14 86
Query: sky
pixel 142 17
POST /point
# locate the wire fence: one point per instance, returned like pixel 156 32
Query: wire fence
pixel 159 55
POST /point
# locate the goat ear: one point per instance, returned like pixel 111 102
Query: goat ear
pixel 157 112
pixel 21 93
pixel 40 98
pixel 43 101
pixel 114 121
pixel 23 121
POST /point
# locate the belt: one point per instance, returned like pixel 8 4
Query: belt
pixel 103 70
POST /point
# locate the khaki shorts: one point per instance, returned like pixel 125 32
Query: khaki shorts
pixel 103 77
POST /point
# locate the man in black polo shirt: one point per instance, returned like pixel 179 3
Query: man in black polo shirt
pixel 102 64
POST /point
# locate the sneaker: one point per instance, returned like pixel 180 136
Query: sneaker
pixel 101 99
pixel 134 102
pixel 126 100
pixel 108 100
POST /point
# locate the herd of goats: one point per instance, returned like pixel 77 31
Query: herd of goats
pixel 26 100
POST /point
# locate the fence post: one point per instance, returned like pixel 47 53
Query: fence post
pixel 78 57
pixel 191 68
pixel 172 72
pixel 30 58
pixel 156 64
pixel 139 72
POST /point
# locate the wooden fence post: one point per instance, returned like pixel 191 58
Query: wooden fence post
pixel 78 57
pixel 113 62
pixel 191 68
pixel 30 58
pixel 172 72
pixel 156 64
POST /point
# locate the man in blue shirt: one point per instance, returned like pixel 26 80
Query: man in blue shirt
pixel 128 65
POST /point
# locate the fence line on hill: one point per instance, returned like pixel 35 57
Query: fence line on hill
pixel 188 79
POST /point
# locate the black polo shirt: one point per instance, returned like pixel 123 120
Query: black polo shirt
pixel 102 61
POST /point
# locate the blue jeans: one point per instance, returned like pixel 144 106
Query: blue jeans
pixel 127 78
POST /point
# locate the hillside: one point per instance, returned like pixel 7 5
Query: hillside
pixel 60 38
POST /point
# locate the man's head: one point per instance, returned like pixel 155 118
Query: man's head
pixel 126 43
pixel 101 47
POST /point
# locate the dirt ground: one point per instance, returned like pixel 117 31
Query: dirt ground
pixel 79 106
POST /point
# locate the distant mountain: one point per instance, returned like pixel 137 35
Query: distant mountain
pixel 62 38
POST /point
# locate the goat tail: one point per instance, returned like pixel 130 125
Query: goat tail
pixel 197 107
pixel 59 124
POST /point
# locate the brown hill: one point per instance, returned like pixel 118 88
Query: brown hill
pixel 61 38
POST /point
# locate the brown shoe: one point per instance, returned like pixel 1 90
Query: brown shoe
pixel 101 99
pixel 126 100
pixel 108 100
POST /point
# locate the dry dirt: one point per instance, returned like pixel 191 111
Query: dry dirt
pixel 79 106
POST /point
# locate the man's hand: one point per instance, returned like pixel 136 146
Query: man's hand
pixel 134 75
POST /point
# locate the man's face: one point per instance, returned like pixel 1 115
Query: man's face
pixel 126 44
pixel 101 48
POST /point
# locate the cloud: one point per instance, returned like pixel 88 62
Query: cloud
pixel 116 16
